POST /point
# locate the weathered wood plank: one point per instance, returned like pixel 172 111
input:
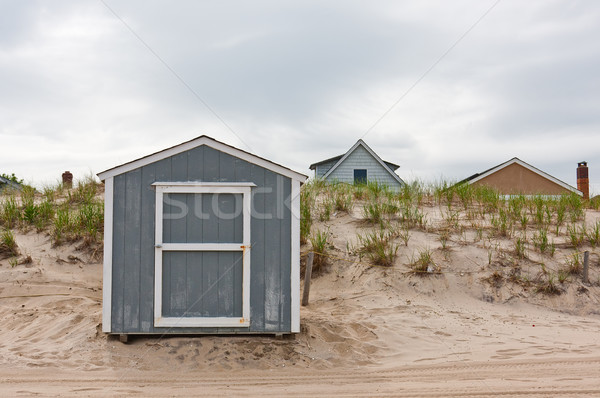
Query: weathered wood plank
pixel 147 248
pixel 118 254
pixel 132 268
pixel 272 255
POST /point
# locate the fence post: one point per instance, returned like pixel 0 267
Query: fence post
pixel 586 266
pixel 307 276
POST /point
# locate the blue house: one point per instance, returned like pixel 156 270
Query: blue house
pixel 359 165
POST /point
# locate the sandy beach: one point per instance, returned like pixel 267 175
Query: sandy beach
pixel 368 331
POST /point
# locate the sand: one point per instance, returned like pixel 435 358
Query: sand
pixel 368 331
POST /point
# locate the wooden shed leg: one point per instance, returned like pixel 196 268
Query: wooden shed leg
pixel 123 338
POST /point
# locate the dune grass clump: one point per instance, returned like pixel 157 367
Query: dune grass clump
pixel 89 220
pixel 501 224
pixel 465 194
pixel 488 198
pixel 8 244
pixel 593 234
pixel 521 247
pixel 378 247
pixel 376 189
pixel 306 204
pixel 9 212
pixel 374 211
pixel 84 192
pixel 66 214
pixel 540 240
pixel 576 235
pixel 319 241
pixel 573 264
pixel 495 279
pixel 423 263
pixel 325 209
pixel 548 286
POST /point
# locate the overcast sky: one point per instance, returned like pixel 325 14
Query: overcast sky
pixel 298 82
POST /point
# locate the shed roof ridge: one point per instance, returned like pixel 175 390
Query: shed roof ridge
pixel 196 142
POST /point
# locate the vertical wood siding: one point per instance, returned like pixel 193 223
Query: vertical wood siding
pixel 133 249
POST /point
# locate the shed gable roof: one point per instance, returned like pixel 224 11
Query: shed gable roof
pixel 196 142
pixel 479 176
pixel 360 142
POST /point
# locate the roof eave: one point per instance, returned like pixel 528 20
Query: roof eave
pixel 196 142
pixel 476 177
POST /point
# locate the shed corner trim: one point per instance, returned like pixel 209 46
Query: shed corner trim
pixel 107 262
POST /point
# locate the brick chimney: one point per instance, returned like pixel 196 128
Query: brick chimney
pixel 67 179
pixel 583 182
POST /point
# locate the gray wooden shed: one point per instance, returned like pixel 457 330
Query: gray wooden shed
pixel 201 238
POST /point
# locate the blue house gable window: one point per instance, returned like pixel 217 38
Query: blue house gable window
pixel 360 176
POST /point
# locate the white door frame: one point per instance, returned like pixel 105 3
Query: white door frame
pixel 244 247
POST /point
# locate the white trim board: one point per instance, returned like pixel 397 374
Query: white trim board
pixel 210 142
pixel 107 263
pixel 375 156
pixel 203 184
pixel 528 167
pixel 159 246
pixel 295 260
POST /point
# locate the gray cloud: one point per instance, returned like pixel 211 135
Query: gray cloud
pixel 299 82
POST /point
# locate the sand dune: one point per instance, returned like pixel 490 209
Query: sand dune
pixel 368 331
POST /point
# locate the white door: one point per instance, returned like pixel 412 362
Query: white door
pixel 202 254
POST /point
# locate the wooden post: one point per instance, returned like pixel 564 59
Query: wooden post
pixel 586 266
pixel 307 275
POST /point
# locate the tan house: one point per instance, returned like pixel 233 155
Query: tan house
pixel 517 177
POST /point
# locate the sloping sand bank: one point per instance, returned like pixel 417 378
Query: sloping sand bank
pixel 368 331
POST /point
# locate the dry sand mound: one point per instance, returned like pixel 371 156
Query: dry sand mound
pixel 368 331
